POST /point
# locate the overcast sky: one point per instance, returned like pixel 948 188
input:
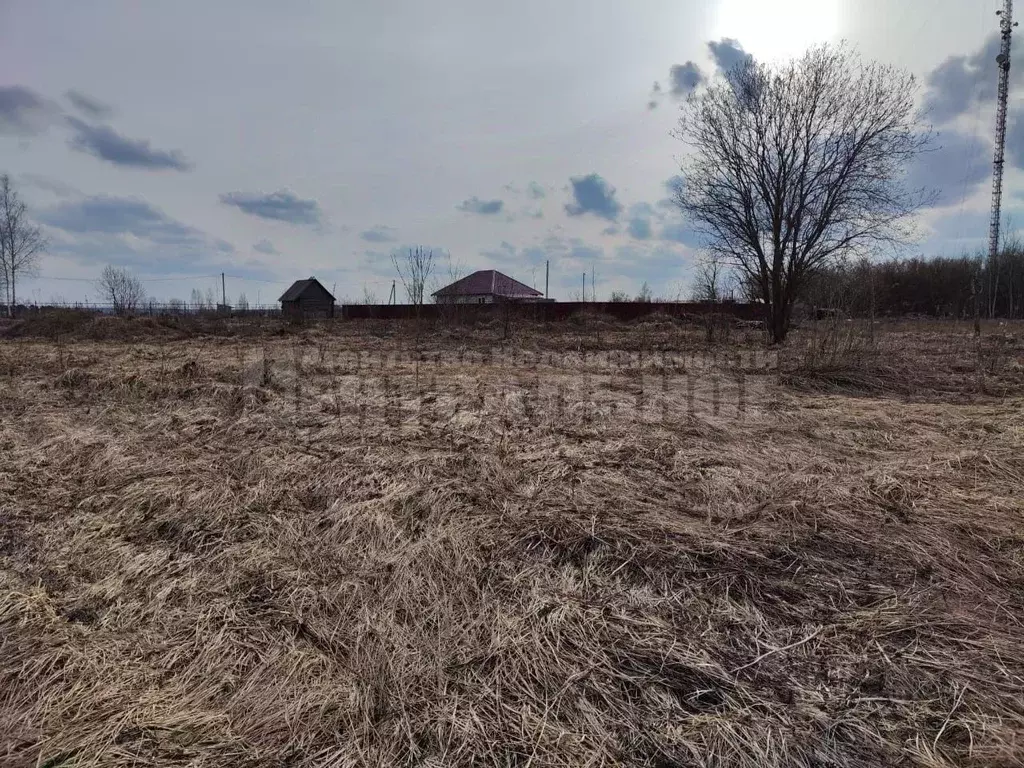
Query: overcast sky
pixel 273 141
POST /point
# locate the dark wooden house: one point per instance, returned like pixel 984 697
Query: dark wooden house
pixel 307 298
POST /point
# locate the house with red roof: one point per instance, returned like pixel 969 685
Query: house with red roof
pixel 487 286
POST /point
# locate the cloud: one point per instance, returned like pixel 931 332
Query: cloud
pixel 677 231
pixel 683 78
pixel 105 143
pixel 633 262
pixel 1015 141
pixel 89 106
pixel 535 190
pixel 592 194
pixel 639 227
pixel 672 185
pixel 55 187
pixel 954 232
pixel 954 169
pixel 652 263
pixel 956 226
pixel 611 230
pixel 282 205
pixel 130 232
pixel 267 247
pixel 379 234
pixel 119 216
pixel 23 112
pixel 959 82
pixel 483 207
pixel 585 253
pixel 728 54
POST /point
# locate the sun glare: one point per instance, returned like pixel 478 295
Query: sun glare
pixel 779 29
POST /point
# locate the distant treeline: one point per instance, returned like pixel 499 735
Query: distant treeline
pixel 938 287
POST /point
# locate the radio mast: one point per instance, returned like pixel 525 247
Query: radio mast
pixel 1006 25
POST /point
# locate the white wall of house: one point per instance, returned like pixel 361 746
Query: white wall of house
pixel 482 298
pixel 478 298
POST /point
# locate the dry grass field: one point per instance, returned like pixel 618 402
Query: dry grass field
pixel 593 546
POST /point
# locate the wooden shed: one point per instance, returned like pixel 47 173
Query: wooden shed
pixel 307 298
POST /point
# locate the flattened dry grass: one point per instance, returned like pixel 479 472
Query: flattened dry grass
pixel 280 553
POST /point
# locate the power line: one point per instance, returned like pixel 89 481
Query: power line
pixel 255 279
pixel 142 279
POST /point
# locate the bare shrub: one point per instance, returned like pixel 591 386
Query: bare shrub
pixel 120 289
pixel 414 269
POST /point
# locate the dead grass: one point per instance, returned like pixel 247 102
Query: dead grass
pixel 333 549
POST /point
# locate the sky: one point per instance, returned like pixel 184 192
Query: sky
pixel 273 141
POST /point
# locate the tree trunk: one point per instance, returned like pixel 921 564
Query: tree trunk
pixel 7 288
pixel 778 321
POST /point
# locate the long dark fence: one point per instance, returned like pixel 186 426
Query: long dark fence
pixel 148 309
pixel 539 312
pixel 547 311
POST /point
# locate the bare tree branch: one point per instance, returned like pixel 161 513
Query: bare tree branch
pixel 708 280
pixel 21 243
pixel 797 166
pixel 414 269
pixel 121 289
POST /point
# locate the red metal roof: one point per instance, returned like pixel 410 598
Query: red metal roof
pixel 487 281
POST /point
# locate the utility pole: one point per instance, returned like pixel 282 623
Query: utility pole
pixel 593 284
pixel 223 292
pixel 391 296
pixel 547 274
pixel 1006 25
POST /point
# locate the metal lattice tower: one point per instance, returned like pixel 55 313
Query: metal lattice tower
pixel 1006 25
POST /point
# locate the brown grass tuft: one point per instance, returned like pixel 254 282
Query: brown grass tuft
pixel 358 553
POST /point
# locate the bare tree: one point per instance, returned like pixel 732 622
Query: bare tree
pixel 121 289
pixel 455 268
pixel 369 296
pixel 414 269
pixel 799 165
pixel 243 302
pixel 644 297
pixel 708 280
pixel 21 243
pixel 453 271
pixel 618 296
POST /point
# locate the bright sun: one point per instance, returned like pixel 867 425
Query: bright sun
pixel 777 30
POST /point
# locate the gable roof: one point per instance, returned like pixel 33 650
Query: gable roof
pixel 300 287
pixel 484 282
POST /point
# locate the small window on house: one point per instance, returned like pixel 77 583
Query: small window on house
pixel 483 300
